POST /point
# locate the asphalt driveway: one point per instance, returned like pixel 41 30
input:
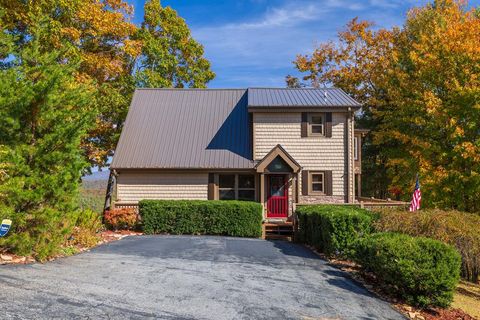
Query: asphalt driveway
pixel 186 277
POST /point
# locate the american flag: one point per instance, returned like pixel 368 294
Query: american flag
pixel 416 198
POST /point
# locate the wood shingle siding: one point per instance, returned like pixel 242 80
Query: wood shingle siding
pixel 312 153
pixel 133 187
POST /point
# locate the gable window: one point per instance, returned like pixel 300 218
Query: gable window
pixel 317 182
pixel 316 124
pixel 236 187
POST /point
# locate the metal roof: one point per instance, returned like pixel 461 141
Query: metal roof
pixel 204 128
pixel 301 98
pixel 186 128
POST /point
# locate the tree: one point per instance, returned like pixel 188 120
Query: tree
pixel 44 114
pixel 420 88
pixel 170 56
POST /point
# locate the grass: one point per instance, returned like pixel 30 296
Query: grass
pixel 467 298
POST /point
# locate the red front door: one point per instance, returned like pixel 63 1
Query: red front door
pixel 277 196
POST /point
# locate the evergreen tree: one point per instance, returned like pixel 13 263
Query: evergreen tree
pixel 44 114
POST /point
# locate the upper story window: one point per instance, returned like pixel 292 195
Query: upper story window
pixel 316 124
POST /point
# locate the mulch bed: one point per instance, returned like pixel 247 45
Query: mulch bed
pixel 106 236
pixel 370 282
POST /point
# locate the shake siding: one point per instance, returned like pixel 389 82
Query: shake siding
pixel 133 187
pixel 312 153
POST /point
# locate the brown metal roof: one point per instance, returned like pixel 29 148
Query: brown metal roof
pixel 301 98
pixel 186 128
pixel 203 128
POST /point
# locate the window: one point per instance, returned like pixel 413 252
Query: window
pixel 236 187
pixel 316 124
pixel 226 186
pixel 278 165
pixel 317 182
pixel 356 144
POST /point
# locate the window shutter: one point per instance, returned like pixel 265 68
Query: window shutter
pixel 211 186
pixel 328 124
pixel 304 132
pixel 305 182
pixel 328 183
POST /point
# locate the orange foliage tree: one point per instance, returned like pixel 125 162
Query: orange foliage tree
pixel 420 86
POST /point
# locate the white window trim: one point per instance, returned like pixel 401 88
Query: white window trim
pixel 356 145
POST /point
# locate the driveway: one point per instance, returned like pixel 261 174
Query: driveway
pixel 187 277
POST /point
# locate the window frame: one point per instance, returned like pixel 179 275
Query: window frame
pixel 356 145
pixel 236 188
pixel 311 182
pixel 311 124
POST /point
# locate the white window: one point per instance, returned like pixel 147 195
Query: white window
pixel 356 145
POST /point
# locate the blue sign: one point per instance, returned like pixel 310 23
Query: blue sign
pixel 6 224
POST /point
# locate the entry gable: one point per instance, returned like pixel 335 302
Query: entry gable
pixel 277 152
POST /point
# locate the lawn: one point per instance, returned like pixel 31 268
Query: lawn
pixel 467 298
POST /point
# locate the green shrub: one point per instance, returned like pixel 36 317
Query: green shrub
pixel 459 229
pixel 333 229
pixel 233 218
pixel 87 226
pixel 40 233
pixel 422 271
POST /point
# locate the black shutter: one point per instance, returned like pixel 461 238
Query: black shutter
pixel 305 182
pixel 328 183
pixel 304 132
pixel 211 186
pixel 328 124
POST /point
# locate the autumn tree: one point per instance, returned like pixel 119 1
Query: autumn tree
pixel 170 56
pixel 420 88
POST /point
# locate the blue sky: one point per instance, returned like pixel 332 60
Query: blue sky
pixel 253 42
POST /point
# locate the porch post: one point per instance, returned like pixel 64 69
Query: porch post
pixel 262 192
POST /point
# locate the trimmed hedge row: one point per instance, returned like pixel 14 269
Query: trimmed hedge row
pixel 333 229
pixel 422 271
pixel 232 218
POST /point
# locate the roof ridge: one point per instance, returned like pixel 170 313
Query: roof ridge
pixel 192 89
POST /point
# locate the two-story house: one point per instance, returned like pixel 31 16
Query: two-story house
pixel 277 146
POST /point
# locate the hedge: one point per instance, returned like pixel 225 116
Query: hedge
pixel 333 229
pixel 420 270
pixel 459 229
pixel 232 218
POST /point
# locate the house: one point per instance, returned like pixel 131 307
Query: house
pixel 278 146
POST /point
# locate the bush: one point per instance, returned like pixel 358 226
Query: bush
pixel 459 229
pixel 233 218
pixel 87 225
pixel 422 271
pixel 121 219
pixel 333 229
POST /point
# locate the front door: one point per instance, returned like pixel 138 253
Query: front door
pixel 277 196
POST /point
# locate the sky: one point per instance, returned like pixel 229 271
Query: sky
pixel 252 43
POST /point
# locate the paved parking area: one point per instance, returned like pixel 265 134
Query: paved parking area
pixel 187 277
